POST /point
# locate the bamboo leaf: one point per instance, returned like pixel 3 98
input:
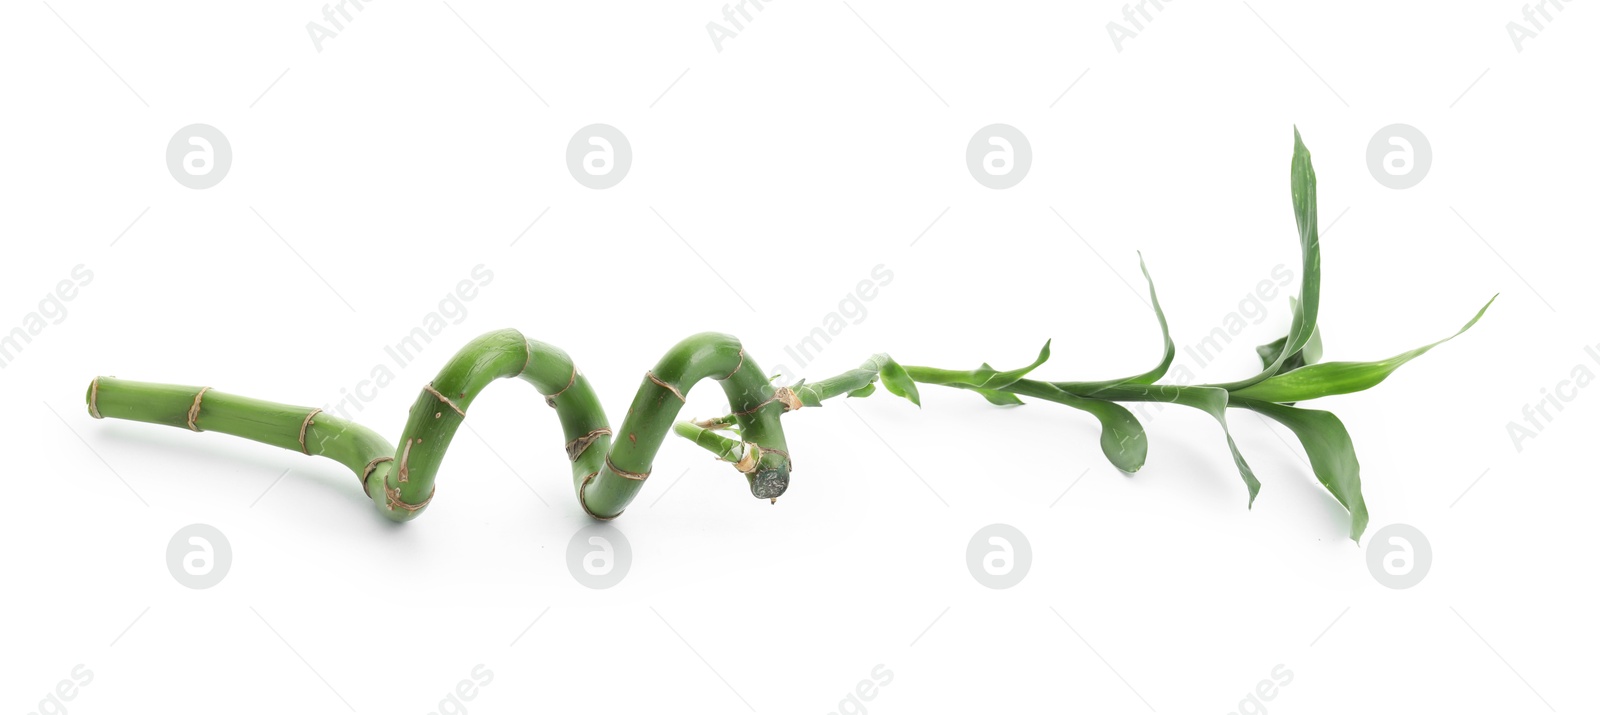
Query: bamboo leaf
pixel 1309 354
pixel 1338 378
pixel 1269 352
pixel 1122 438
pixel 807 393
pixel 990 379
pixel 1212 400
pixel 996 397
pixel 953 378
pixel 1122 435
pixel 1168 352
pixel 895 379
pixel 1303 324
pixel 856 383
pixel 985 377
pixel 1312 352
pixel 1332 455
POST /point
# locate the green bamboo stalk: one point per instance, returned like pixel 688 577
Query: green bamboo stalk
pixel 607 473
pixel 609 468
pixel 859 382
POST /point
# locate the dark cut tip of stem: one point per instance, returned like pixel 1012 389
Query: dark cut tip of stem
pixel 770 483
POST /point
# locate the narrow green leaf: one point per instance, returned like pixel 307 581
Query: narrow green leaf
pixel 1327 444
pixel 985 377
pixel 999 380
pixel 996 397
pixel 1309 354
pixel 966 379
pixel 1338 378
pixel 1122 438
pixel 1211 400
pixel 807 393
pixel 870 388
pixel 989 378
pixel 1168 350
pixel 1269 351
pixel 857 382
pixel 1303 323
pixel 894 377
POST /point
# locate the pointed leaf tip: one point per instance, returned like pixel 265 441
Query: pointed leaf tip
pixel 864 390
pixel 897 381
pixel 1000 380
pixel 996 397
pixel 1339 378
pixel 1122 438
pixel 1329 449
pixel 1168 350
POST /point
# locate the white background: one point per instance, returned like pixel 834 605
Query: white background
pixel 821 141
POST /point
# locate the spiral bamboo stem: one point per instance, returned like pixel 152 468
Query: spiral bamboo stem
pixel 608 466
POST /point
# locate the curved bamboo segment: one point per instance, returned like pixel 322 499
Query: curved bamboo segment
pixel 608 468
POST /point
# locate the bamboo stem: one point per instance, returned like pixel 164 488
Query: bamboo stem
pixel 608 468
